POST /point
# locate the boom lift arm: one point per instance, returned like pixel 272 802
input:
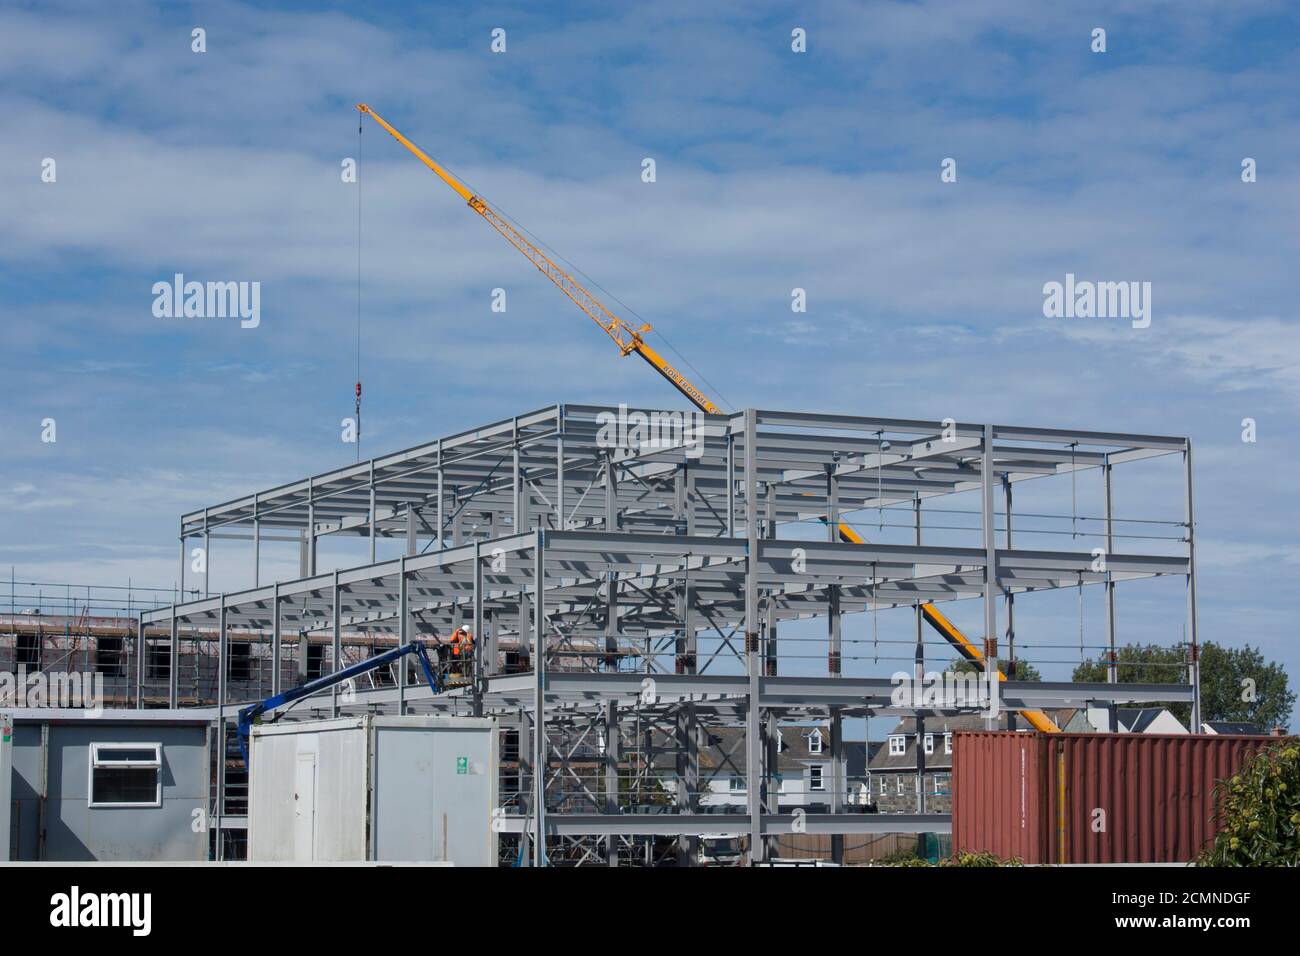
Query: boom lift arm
pixel 627 338
pixel 250 714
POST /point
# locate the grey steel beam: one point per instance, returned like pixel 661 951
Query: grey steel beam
pixel 730 824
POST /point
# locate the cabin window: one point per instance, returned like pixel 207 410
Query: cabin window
pixel 125 775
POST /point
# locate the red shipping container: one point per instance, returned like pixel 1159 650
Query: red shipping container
pixel 1090 798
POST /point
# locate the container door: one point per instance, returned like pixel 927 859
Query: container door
pixel 304 807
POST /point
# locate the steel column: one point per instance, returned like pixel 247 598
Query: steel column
pixel 1112 665
pixel 539 703
pixel 990 557
pixel 1195 647
pixel 753 658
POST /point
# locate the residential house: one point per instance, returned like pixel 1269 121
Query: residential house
pixel 803 778
pixel 1235 727
pixel 893 784
pixel 1148 720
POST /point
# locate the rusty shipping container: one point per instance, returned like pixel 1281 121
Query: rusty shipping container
pixel 1090 798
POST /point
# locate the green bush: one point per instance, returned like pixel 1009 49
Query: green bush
pixel 1259 812
pixel 980 859
pixel 961 859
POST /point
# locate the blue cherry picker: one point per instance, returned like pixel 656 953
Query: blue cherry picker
pixel 251 714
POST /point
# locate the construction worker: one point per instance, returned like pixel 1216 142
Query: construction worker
pixel 462 647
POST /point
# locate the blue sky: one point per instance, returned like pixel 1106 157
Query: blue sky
pixel 774 171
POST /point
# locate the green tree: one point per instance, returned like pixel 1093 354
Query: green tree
pixel 1139 664
pixel 1236 683
pixel 1024 669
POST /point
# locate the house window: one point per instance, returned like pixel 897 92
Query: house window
pixel 736 784
pixel 815 742
pixel 947 743
pixel 899 778
pixel 897 745
pixel 882 786
pixel 929 744
pixel 815 780
pixel 125 775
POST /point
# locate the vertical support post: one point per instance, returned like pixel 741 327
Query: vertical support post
pixel 611 494
pixel 770 662
pixel 839 779
pixel 834 637
pixel 173 665
pixel 516 485
pixel 311 529
pixel 221 728
pixel 403 633
pixel 612 744
pixel 1010 599
pixel 181 585
pixel 990 557
pixel 753 659
pixel 257 542
pixel 336 650
pixel 1112 665
pixel 731 483
pixel 139 659
pixel 523 770
pixel 207 556
pixel 919 674
pixel 412 541
pixel 539 702
pixel 1195 647
pixel 687 752
pixel 559 470
pixel 611 577
pixel 275 642
pixel 483 665
pixel 372 511
pixel 442 514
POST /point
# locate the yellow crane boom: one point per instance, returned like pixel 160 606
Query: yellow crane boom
pixel 627 338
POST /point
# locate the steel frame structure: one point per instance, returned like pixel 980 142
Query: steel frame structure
pixel 628 573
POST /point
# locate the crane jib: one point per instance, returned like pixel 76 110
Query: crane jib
pixel 588 303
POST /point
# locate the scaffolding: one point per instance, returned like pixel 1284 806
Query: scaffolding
pixel 658 596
